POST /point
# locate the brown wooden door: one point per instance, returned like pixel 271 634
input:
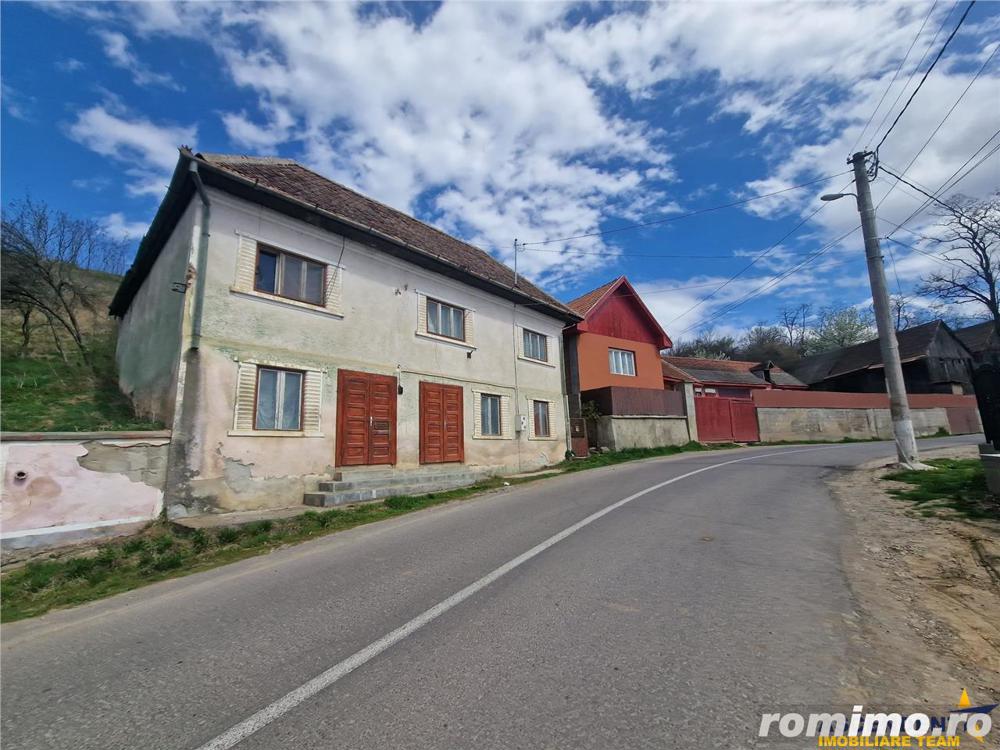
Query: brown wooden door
pixel 366 419
pixel 442 433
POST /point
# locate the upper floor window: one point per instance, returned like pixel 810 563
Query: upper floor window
pixel 622 361
pixel 445 320
pixel 536 346
pixel 290 276
pixel 279 399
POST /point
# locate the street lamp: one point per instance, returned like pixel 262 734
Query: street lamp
pixel 836 196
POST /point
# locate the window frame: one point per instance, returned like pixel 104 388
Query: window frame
pixel 482 423
pixel 427 316
pixel 525 332
pixel 611 361
pixel 256 399
pixel 280 270
pixel 534 418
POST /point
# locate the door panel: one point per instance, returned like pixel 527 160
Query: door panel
pixel 442 432
pixel 366 419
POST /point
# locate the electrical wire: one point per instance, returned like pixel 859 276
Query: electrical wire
pixel 943 120
pixel 747 267
pixel 771 282
pixel 926 73
pixel 931 196
pixel 678 217
pixel 894 76
pixel 916 68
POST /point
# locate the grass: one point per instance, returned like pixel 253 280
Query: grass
pixel 161 551
pixel 958 485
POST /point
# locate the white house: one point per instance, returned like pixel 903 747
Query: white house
pixel 293 332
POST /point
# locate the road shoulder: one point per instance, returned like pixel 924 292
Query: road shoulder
pixel 927 612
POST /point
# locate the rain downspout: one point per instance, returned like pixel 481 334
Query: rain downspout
pixel 202 261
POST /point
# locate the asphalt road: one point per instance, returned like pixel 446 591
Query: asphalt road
pixel 672 620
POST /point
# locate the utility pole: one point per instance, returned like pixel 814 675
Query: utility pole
pixel 902 425
pixel 515 261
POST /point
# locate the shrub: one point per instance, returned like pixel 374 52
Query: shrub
pixel 199 540
pixel 162 543
pixel 227 535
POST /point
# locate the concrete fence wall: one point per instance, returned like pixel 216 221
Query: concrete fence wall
pixel 618 433
pixel 820 415
pixel 60 488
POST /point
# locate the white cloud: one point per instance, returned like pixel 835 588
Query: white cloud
pixel 119 51
pixel 147 151
pixel 116 225
pixel 69 65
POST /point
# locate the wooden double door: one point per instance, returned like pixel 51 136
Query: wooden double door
pixel 442 431
pixel 366 418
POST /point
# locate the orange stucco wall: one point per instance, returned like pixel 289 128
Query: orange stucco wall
pixel 595 372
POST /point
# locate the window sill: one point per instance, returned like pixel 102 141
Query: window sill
pixel 542 437
pixel 544 363
pixel 491 437
pixel 274 433
pixel 446 340
pixel 319 309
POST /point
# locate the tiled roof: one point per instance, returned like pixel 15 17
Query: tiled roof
pixel 728 371
pixel 585 303
pixel 675 373
pixel 979 338
pixel 294 180
pixel 914 343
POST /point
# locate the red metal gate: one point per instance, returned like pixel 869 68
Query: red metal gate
pixel 726 420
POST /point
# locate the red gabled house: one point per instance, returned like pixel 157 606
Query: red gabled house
pixel 613 357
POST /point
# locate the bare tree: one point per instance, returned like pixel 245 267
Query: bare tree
pixel 794 323
pixel 44 253
pixel 971 234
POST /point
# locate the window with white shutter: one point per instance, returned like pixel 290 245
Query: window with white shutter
pixel 444 320
pixel 268 271
pixel 542 419
pixel 276 400
pixel 491 415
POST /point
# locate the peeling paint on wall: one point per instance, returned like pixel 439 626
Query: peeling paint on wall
pixel 69 490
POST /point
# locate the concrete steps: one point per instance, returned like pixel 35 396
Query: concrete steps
pixel 363 485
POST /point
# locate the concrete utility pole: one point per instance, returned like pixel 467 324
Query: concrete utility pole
pixel 902 425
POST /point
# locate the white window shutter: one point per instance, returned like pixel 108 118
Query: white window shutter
pixel 334 288
pixel 312 401
pixel 531 417
pixel 421 313
pixel 520 340
pixel 246 264
pixel 246 391
pixel 469 337
pixel 477 414
pixel 506 420
pixel 553 418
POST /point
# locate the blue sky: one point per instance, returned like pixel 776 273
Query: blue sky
pixel 532 120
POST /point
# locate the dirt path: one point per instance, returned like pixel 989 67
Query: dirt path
pixel 928 608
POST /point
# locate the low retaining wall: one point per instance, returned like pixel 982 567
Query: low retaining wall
pixel 618 433
pixel 60 488
pixel 825 415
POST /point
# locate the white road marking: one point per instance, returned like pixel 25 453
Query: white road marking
pixel 236 734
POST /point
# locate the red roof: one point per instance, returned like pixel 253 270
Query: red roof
pixel 585 303
pixel 586 306
pixel 727 372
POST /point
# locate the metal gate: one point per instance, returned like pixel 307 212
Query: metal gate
pixel 726 420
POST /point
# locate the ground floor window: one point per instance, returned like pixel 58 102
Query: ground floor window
pixel 279 399
pixel 490 414
pixel 541 414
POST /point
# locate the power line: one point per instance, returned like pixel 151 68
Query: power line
pixel 772 282
pixel 611 254
pixel 747 267
pixel 931 196
pixel 943 120
pixel 951 182
pixel 926 73
pixel 930 46
pixel 894 76
pixel 678 217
